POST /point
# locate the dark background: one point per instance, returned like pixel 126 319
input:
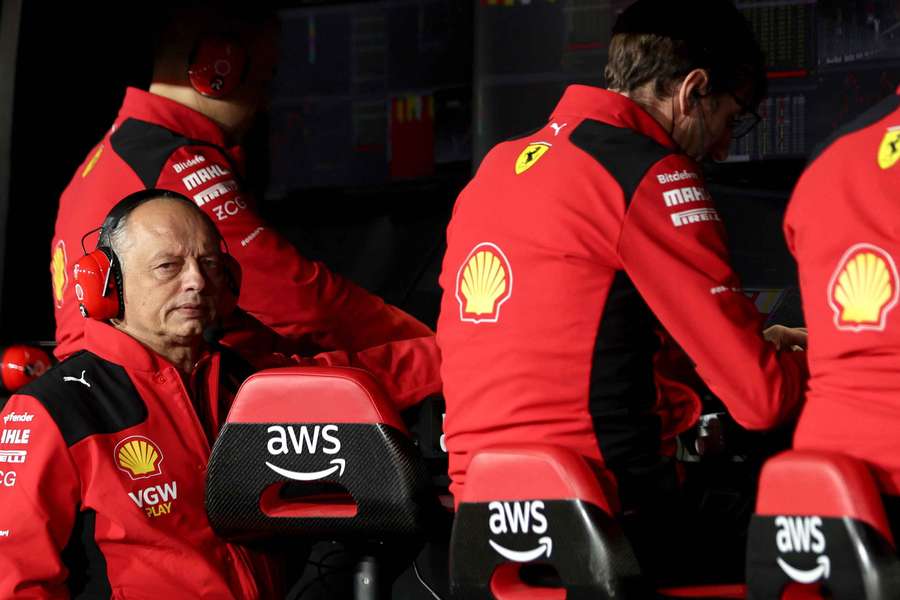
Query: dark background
pixel 339 173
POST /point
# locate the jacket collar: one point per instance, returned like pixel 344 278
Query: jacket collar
pixel 612 108
pixel 121 349
pixel 172 115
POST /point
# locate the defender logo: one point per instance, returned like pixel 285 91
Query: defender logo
pixel 802 535
pixel 155 500
pixel 286 440
pixel 181 166
pixel 676 176
pixel 18 418
pixel 519 517
pixel 203 175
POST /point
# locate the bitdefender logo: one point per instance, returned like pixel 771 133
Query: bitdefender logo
pixel 520 517
pixel 305 439
pixel 17 418
pixel 676 176
pixel 802 535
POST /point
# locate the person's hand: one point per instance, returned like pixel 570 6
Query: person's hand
pixel 792 338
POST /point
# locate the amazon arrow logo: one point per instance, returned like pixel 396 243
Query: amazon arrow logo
pixel 545 546
pixel 305 439
pixel 811 576
pixel 339 464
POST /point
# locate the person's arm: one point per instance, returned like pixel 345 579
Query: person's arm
pixel 39 494
pixel 409 370
pixel 672 247
pixel 296 297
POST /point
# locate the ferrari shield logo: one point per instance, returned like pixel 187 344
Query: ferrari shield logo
pixel 863 289
pixel 889 151
pixel 530 155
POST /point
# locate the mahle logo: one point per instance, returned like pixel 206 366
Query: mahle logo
pixel 802 535
pixel 520 518
pixel 305 439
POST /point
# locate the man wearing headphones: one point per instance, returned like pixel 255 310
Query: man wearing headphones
pixel 102 484
pixel 213 64
pixel 573 245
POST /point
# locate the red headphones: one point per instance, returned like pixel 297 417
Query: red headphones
pixel 98 276
pixel 217 66
pixel 21 364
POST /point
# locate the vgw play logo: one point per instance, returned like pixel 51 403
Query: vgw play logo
pixel 305 439
pixel 802 535
pixel 520 517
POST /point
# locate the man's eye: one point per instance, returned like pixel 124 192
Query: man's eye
pixel 167 267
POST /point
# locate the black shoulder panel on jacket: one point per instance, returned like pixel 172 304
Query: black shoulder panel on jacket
pixel 626 154
pixel 146 147
pixel 870 117
pixel 87 395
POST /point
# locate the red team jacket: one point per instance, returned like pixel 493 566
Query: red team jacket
pixel 842 225
pixel 565 252
pixel 156 142
pixel 102 473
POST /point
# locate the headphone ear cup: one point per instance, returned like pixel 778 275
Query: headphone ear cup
pixel 216 66
pixel 98 285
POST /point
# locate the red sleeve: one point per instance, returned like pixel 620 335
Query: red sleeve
pixel 672 245
pixel 39 494
pixel 294 296
pixel 409 370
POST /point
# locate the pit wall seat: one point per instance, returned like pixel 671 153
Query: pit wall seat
pixel 316 453
pixel 534 508
pixel 820 531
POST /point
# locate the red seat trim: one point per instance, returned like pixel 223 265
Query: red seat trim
pixel 535 471
pixel 314 395
pixel 826 484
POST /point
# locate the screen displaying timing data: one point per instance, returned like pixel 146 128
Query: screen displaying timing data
pixel 827 61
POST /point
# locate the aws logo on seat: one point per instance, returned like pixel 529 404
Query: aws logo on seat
pixel 520 518
pixel 308 439
pixel 802 535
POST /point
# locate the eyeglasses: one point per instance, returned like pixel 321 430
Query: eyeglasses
pixel 745 121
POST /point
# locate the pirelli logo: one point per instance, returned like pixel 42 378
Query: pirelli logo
pixel 685 195
pixel 697 215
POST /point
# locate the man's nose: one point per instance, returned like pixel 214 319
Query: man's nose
pixel 193 277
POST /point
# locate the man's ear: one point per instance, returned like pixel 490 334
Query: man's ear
pixel 692 89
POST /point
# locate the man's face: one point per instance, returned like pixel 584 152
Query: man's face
pixel 173 276
pixel 706 131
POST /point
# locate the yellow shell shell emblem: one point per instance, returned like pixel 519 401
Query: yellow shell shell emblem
pixel 889 150
pixel 483 284
pixel 58 271
pixel 93 162
pixel 863 289
pixel 139 457
pixel 530 155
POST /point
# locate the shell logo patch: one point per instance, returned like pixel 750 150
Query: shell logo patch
pixel 530 155
pixel 863 289
pixel 58 271
pixel 93 162
pixel 483 284
pixel 139 457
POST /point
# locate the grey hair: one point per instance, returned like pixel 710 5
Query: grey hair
pixel 118 239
